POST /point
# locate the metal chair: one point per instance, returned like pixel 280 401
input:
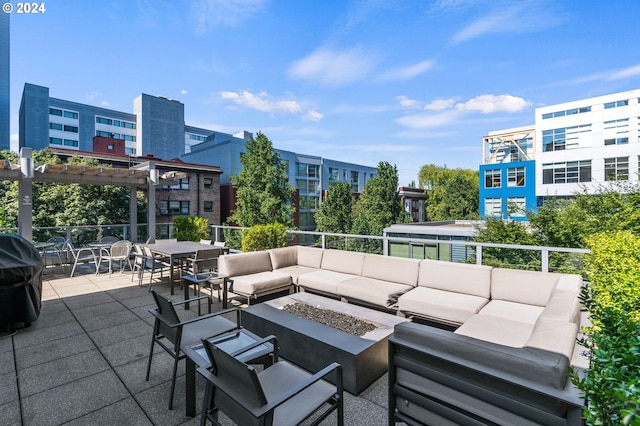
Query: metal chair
pixel 282 394
pixel 118 252
pixel 109 239
pixel 171 333
pixel 55 252
pixel 81 255
pixel 151 263
pixel 205 241
pixel 204 264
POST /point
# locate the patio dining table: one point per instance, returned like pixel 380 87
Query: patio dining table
pixel 174 251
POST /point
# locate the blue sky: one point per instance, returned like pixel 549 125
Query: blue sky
pixel 409 82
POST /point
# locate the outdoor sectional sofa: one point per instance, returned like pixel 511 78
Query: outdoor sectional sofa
pixel 508 329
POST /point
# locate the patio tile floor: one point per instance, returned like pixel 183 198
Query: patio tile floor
pixel 83 362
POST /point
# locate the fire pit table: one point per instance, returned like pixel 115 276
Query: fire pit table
pixel 312 345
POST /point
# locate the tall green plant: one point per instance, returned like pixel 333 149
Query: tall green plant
pixel 264 237
pixel 190 228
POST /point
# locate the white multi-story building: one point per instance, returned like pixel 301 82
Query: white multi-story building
pixel 587 143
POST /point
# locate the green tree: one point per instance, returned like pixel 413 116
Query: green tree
pixel 453 193
pixel 336 210
pixel 379 204
pixel 507 232
pixel 263 192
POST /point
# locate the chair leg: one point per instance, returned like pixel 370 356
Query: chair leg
pixel 173 380
pixel 153 342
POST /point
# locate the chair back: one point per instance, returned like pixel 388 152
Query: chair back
pixel 239 386
pixel 121 249
pixel 205 241
pixel 219 243
pixel 166 317
pixel 206 259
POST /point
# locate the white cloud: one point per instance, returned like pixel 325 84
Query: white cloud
pixel 493 103
pixel 633 71
pixel 405 102
pixel 105 103
pixel 440 104
pixel 210 14
pixel 333 68
pixel 183 92
pixel 93 95
pixel 312 115
pixel 423 121
pixel 261 102
pixel 408 72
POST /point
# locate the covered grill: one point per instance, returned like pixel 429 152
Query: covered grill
pixel 20 282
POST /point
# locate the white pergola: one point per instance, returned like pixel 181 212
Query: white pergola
pixel 144 175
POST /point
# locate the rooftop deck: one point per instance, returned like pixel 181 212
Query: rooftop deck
pixel 84 361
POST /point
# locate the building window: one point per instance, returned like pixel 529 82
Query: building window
pixel 103 134
pixel 566 172
pixel 55 141
pixel 55 111
pixel 178 207
pixel 208 206
pixel 616 104
pixel 564 138
pixel 70 142
pixel 178 184
pixel 129 138
pixel 572 111
pixel 101 120
pixel 55 126
pixel 131 151
pixel 515 176
pixel 71 114
pixel 355 183
pixel 208 183
pixel 333 174
pixel 616 141
pixel 72 129
pixel 616 168
pixel 493 207
pixel 516 206
pixel 492 178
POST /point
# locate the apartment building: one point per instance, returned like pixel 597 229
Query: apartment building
pixel 572 147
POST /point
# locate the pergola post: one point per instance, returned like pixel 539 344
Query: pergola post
pixel 133 213
pixel 153 180
pixel 25 195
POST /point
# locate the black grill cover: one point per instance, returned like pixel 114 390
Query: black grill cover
pixel 20 281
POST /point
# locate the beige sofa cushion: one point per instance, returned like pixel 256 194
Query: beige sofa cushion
pixel 563 305
pixel 393 269
pixel 310 256
pixel 530 287
pixel 372 291
pixel 512 311
pixel 458 277
pixel 347 262
pixel 444 306
pixel 231 265
pixel 323 281
pixel 260 282
pixel 295 271
pixel 554 336
pixel 497 330
pixel 283 257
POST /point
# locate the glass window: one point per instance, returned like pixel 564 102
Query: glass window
pixel 178 207
pixel 73 129
pixel 70 142
pixel 547 115
pixel 208 183
pixel 301 169
pixel 131 151
pixel 566 172
pixel 333 174
pixel 515 176
pixel 102 120
pixel 129 138
pixel 516 206
pixel 116 123
pixel 493 207
pixel 55 126
pixel 492 178
pixel 208 206
pixel 55 141
pixel 55 111
pixel 616 168
pixel 128 125
pixel 302 185
pixel 102 134
pixel 71 114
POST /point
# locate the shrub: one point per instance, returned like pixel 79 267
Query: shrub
pixel 190 228
pixel 611 384
pixel 264 237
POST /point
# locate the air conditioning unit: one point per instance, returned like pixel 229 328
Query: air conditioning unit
pixel 164 211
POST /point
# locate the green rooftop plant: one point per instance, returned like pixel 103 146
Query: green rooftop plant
pixel 190 228
pixel 264 237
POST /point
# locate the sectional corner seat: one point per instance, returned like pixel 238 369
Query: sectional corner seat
pixel 531 318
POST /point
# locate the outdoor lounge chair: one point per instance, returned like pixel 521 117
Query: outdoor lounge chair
pixel 80 255
pixel 282 394
pixel 171 333
pixel 119 252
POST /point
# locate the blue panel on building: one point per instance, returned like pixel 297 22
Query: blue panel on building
pixel 508 190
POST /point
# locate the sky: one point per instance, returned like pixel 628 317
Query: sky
pixel 410 82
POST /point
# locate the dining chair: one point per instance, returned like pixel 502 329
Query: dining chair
pixel 55 252
pixel 109 239
pixel 204 263
pixel 81 255
pixel 171 333
pixel 118 252
pixel 281 394
pixel 205 241
pixel 151 263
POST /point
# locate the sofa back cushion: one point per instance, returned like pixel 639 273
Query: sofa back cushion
pixel 310 256
pixel 233 265
pixel 457 277
pixel 347 262
pixel 394 269
pixel 283 257
pixel 530 287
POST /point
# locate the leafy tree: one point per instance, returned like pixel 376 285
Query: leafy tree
pixel 510 232
pixel 191 228
pixel 264 237
pixel 335 212
pixel 379 204
pixel 453 193
pixel 263 192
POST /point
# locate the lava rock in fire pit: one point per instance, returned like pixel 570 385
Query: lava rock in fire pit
pixel 338 320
